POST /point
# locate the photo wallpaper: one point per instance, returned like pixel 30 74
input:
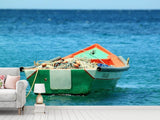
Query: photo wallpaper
pixel 84 55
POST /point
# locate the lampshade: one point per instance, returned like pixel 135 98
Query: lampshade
pixel 39 88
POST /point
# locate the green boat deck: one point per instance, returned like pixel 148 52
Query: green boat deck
pixel 97 54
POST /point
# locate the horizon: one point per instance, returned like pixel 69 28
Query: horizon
pixel 83 9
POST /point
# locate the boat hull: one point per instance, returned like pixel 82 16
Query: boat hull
pixel 81 82
pixel 104 80
pixel 101 84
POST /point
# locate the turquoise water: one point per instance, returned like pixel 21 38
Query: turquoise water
pixel 31 35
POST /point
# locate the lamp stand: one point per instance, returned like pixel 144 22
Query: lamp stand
pixel 39 99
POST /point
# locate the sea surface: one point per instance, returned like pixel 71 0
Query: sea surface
pixel 28 35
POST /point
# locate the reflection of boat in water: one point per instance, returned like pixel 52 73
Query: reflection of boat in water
pixel 92 68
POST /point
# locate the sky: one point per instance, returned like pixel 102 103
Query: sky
pixel 79 4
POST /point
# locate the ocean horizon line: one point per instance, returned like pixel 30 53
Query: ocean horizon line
pixel 82 9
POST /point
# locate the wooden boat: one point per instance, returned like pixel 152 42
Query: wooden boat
pixel 108 70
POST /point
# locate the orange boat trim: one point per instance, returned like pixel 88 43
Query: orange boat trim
pixel 111 60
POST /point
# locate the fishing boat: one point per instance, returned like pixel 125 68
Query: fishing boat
pixel 92 68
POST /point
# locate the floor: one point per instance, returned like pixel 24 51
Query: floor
pixel 85 113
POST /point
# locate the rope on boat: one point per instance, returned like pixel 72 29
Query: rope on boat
pixel 32 83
